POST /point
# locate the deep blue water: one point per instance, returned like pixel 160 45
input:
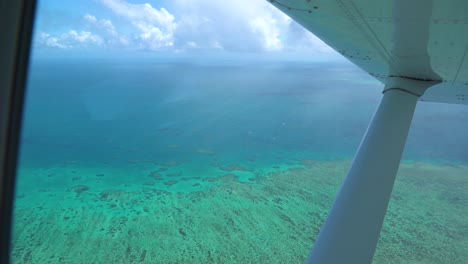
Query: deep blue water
pixel 114 111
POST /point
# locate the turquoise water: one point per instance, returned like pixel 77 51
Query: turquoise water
pixel 219 161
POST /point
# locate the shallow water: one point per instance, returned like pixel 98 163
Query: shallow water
pixel 223 162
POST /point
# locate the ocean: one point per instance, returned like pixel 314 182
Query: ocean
pixel 220 160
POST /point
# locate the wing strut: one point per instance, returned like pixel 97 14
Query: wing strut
pixel 352 228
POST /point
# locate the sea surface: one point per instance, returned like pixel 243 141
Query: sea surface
pixel 215 160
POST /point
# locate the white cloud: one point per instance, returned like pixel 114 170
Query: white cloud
pixel 45 39
pixel 268 32
pixel 241 25
pixel 156 27
pixel 83 37
pixel 216 45
pixel 90 18
pixel 70 39
pixel 107 29
pixel 101 23
pixel 232 25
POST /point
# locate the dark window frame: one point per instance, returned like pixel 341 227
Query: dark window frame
pixel 16 26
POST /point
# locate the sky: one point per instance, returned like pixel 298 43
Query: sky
pixel 172 26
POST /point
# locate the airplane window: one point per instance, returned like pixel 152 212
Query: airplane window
pixel 188 132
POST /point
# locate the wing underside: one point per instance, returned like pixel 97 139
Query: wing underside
pixel 420 39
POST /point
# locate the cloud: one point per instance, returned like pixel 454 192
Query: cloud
pixel 90 18
pixel 243 25
pixel 104 24
pixel 107 29
pixel 267 31
pixel 45 39
pixel 155 27
pixel 182 25
pixel 70 39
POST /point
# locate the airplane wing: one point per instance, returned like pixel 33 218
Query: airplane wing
pixel 417 48
pixel 386 39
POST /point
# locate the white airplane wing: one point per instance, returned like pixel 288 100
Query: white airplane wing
pixel 386 38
